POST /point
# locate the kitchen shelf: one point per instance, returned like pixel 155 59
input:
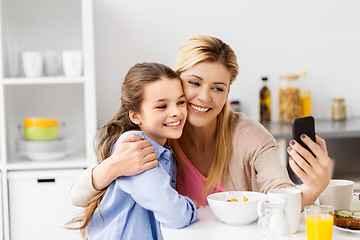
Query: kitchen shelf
pixel 22 163
pixel 43 80
pixel 326 128
pixel 43 26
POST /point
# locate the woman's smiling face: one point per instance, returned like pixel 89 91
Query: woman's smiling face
pixel 206 87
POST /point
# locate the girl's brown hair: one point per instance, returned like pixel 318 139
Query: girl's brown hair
pixel 210 49
pixel 132 93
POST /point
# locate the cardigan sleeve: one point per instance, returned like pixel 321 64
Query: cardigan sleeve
pixel 82 190
pixel 255 161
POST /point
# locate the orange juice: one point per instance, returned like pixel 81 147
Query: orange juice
pixel 319 227
pixel 305 102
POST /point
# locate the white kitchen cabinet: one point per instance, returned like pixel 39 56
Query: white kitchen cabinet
pixel 41 26
pixel 39 205
pixel 1 215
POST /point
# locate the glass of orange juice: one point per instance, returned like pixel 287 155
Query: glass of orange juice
pixel 319 221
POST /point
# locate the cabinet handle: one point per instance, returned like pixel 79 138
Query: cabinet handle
pixel 46 180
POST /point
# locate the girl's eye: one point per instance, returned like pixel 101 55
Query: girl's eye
pixel 161 107
pixel 194 83
pixel 218 89
pixel 181 103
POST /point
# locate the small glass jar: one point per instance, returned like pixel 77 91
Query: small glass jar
pixel 289 98
pixel 338 109
pixel 235 105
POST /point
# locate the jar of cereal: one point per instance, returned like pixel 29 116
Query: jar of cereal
pixel 289 98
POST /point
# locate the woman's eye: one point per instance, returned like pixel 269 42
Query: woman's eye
pixel 218 89
pixel 161 107
pixel 181 103
pixel 194 83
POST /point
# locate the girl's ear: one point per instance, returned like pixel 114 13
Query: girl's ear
pixel 134 117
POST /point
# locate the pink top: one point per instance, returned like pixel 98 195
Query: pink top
pixel 195 183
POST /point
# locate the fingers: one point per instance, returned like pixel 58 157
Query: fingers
pixel 300 154
pixel 142 144
pixel 321 142
pixel 299 159
pixel 132 138
pixel 297 170
pixel 150 165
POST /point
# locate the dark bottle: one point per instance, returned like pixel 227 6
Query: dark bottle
pixel 265 102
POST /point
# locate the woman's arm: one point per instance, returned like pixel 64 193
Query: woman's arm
pixel 132 156
pixel 313 171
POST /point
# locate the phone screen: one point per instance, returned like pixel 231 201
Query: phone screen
pixel 304 125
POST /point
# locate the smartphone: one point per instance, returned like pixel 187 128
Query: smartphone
pixel 304 125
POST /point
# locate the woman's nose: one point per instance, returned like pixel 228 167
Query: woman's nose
pixel 204 94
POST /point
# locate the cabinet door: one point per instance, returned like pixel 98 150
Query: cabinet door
pixel 39 204
pixel 1 211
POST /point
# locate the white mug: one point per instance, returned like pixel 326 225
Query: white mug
pixel 32 63
pixel 293 206
pixel 338 194
pixel 52 63
pixel 72 63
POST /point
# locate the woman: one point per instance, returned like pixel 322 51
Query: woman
pixel 219 150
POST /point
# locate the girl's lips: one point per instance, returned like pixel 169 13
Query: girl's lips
pixel 199 109
pixel 173 124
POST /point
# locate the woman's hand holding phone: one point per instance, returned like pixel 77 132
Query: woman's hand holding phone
pixel 311 166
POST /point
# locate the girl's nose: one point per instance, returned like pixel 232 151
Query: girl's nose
pixel 175 111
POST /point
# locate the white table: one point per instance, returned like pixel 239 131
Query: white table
pixel 208 227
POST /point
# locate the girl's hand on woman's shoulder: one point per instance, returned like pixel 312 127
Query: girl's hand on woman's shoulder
pixel 133 155
pixel 313 171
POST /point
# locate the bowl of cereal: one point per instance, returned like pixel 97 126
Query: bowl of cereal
pixel 235 207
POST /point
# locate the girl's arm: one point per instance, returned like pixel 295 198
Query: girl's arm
pixel 313 171
pixel 132 156
pixel 152 190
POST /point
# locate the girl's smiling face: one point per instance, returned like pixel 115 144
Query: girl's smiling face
pixel 163 110
pixel 206 86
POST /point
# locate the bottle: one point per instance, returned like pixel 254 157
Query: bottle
pixel 338 109
pixel 265 102
pixel 235 105
pixel 289 98
pixel 305 96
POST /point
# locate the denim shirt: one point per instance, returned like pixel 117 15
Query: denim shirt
pixel 134 206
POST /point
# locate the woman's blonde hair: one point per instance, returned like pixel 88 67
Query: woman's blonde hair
pixel 210 49
pixel 132 95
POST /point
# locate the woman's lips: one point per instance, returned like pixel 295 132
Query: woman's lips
pixel 199 109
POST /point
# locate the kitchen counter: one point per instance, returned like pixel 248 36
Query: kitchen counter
pixel 210 228
pixel 326 128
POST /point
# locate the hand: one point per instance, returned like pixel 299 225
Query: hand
pixel 132 156
pixel 195 203
pixel 313 171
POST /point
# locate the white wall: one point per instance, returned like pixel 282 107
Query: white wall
pixel 270 37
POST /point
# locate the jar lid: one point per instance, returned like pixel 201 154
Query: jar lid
pixel 338 99
pixel 40 122
pixel 356 196
pixel 289 77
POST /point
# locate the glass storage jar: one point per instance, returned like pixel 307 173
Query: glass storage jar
pixel 338 109
pixel 289 98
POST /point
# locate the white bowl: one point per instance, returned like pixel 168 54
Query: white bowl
pixel 235 213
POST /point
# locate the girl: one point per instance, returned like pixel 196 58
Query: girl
pixel 152 107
